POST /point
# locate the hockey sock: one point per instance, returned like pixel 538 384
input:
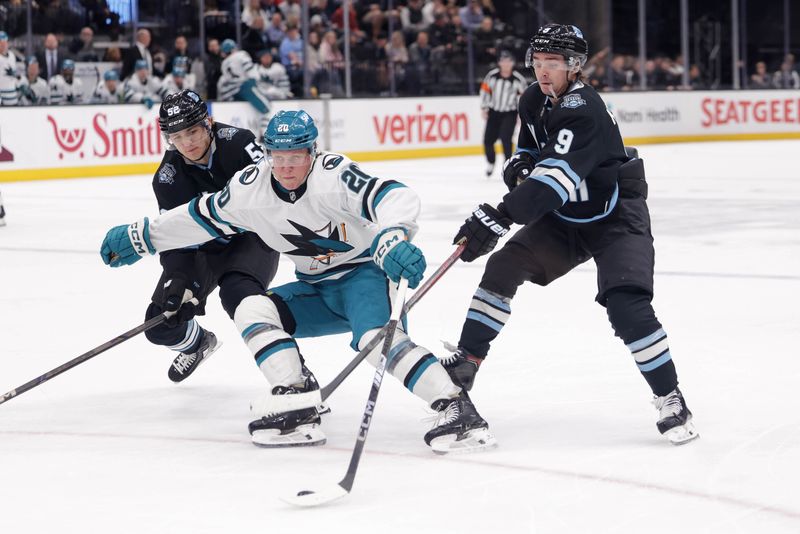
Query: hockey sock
pixel 415 366
pixel 274 350
pixel 634 321
pixel 487 315
pixel 190 341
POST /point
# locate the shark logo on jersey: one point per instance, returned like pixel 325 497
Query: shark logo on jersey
pixel 227 133
pixel 572 101
pixel 166 174
pixel 320 245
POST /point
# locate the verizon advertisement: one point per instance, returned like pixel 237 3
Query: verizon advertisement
pixel 62 142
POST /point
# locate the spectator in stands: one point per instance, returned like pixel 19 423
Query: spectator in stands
pixel 254 39
pixel 412 19
pixel 431 9
pixel 696 81
pixel 272 75
pixel 397 55
pixel 471 15
pixel 252 11
pixel 82 46
pixel 314 64
pixel 598 78
pixel 276 30
pixel 212 68
pixel 337 20
pixel 485 41
pixel 291 9
pixel 420 60
pixel 65 88
pixel 181 49
pixel 142 87
pixel 761 79
pixel 787 77
pixel 109 90
pixel 332 62
pixel 621 78
pixel 52 57
pixel 374 21
pixel 34 90
pixel 291 52
pixel 139 50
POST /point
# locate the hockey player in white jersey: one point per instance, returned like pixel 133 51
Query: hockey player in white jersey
pixel 34 90
pixel 65 88
pixel 9 74
pixel 109 91
pixel 348 234
pixel 272 77
pixel 177 81
pixel 239 80
pixel 142 87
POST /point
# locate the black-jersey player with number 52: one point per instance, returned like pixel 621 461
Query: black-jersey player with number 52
pixel 201 158
pixel 578 195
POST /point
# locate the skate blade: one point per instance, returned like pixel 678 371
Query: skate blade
pixel 303 436
pixel 475 440
pixel 683 434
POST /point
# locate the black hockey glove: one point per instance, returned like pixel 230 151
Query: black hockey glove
pixel 179 298
pixel 482 231
pixel 517 168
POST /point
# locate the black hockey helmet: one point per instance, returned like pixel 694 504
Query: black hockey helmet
pixel 563 39
pixel 180 111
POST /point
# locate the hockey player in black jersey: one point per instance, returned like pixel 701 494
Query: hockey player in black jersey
pixel 578 196
pixel 201 157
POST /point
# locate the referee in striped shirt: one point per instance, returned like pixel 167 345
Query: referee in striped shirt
pixel 499 93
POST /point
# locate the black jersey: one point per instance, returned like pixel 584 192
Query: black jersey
pixel 177 182
pixel 578 150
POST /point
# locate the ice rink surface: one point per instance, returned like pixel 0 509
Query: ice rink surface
pixel 114 446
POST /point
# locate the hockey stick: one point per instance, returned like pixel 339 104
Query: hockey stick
pixel 284 403
pixel 313 498
pixel 147 325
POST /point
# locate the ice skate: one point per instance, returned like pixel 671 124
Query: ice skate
pixel 186 362
pixel 489 170
pixel 293 428
pixel 459 427
pixel 674 418
pixel 461 366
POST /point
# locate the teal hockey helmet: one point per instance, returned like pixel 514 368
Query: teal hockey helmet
pixel 290 130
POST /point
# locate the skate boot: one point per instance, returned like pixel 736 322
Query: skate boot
pixel 186 362
pixel 461 366
pixel 312 385
pixel 458 427
pixel 489 169
pixel 674 418
pixel 289 429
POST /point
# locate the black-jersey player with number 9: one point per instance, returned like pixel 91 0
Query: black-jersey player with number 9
pixel 579 195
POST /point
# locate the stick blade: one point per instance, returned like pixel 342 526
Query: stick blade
pixel 309 498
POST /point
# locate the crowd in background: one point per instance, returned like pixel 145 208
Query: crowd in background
pixel 418 47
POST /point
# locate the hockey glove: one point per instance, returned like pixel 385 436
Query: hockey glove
pixel 398 258
pixel 126 244
pixel 178 299
pixel 482 231
pixel 517 168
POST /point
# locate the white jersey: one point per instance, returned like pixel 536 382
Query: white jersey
pixel 9 79
pixel 34 94
pixel 326 226
pixel 274 81
pixel 170 86
pixel 102 95
pixel 137 90
pixel 237 68
pixel 62 92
